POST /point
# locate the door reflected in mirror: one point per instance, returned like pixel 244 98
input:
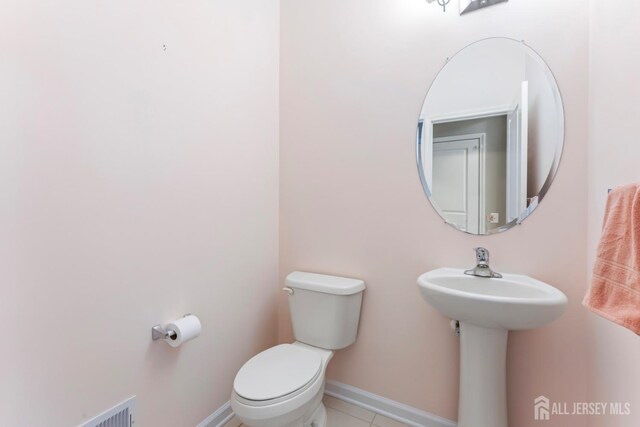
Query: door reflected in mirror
pixel 490 136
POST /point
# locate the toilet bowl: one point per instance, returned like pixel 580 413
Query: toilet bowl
pixel 283 386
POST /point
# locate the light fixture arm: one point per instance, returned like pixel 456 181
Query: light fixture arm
pixel 442 3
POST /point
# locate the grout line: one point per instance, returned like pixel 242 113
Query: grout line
pixel 371 424
pixel 351 415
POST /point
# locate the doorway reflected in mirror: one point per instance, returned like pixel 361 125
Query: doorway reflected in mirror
pixel 490 136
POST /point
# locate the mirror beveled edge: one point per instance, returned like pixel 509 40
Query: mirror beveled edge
pixel 561 136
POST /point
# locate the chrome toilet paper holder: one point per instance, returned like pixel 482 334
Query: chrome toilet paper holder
pixel 158 332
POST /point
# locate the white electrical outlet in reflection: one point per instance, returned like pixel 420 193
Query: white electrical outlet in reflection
pixel 493 218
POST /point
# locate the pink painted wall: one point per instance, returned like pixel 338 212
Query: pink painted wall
pixel 614 125
pixel 137 184
pixel 137 188
pixel 353 77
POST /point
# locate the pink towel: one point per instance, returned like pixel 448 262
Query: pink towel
pixel 615 288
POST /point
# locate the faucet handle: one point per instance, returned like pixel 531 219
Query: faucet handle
pixel 482 255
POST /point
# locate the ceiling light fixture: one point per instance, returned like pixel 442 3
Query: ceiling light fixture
pixel 471 5
pixel 467 6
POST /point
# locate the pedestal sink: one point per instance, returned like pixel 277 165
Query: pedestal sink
pixel 487 309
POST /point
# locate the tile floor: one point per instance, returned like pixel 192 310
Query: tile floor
pixel 343 414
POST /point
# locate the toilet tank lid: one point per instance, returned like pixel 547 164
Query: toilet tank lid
pixel 323 283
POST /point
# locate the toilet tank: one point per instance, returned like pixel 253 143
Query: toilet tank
pixel 325 310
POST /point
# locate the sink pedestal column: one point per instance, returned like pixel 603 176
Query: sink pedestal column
pixel 483 377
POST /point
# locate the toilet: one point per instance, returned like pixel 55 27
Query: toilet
pixel 283 386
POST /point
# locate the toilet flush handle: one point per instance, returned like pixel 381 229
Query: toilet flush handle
pixel 288 290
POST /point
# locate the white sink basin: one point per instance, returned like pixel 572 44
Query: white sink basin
pixel 486 310
pixel 513 302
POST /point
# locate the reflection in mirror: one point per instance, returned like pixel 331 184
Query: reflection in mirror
pixel 490 136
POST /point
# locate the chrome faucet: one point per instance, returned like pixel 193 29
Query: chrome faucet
pixel 482 268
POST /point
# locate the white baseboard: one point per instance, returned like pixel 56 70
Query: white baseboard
pixel 380 405
pixel 219 418
pixel 387 407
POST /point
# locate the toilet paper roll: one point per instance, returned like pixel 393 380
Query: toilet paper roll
pixel 186 329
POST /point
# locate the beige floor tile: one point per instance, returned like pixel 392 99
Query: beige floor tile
pixel 380 421
pixel 349 409
pixel 336 418
pixel 233 422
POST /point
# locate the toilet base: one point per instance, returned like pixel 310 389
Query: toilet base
pixel 318 418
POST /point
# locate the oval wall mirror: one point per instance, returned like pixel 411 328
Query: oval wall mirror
pixel 490 136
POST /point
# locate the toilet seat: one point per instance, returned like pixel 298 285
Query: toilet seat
pixel 277 374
